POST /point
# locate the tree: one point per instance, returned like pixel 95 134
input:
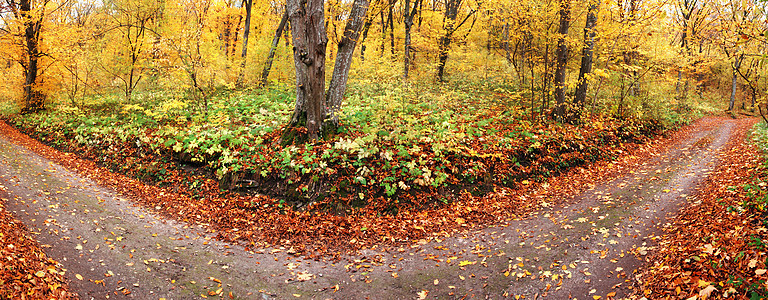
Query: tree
pixel 309 43
pixel 246 32
pixel 29 16
pixel 343 62
pixel 133 21
pixel 586 58
pixel 562 61
pixel 410 13
pixel 273 48
pixel 450 27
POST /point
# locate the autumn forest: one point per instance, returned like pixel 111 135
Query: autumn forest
pixel 403 148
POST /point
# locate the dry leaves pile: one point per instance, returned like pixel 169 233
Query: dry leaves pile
pixel 25 271
pixel 714 248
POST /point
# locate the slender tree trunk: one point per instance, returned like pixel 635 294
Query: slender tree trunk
pixel 410 13
pixel 562 60
pixel 344 58
pixel 309 43
pixel 586 58
pixel 391 22
pixel 366 27
pixel 273 48
pixel 383 33
pixel 736 66
pixel 450 26
pixel 246 32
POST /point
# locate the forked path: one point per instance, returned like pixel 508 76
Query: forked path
pixel 589 246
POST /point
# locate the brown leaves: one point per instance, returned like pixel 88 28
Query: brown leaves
pixel 707 249
pixel 26 272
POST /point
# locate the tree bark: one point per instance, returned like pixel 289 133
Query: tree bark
pixel 586 58
pixel 273 48
pixel 33 99
pixel 246 32
pixel 344 58
pixel 309 46
pixel 450 26
pixel 366 27
pixel 736 66
pixel 391 22
pixel 562 60
pixel 410 13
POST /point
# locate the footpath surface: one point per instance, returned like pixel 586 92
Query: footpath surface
pixel 580 246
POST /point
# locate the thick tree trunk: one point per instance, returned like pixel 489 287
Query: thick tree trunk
pixel 33 99
pixel 246 32
pixel 344 58
pixel 562 60
pixel 273 48
pixel 309 43
pixel 586 58
pixel 410 13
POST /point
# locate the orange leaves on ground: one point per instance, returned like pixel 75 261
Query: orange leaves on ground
pixel 710 251
pixel 25 271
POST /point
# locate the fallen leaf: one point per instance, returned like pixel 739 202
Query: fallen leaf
pixel 422 295
pixel 707 291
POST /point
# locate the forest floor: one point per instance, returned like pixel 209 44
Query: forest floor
pixel 589 232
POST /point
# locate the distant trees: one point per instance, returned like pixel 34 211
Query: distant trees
pixel 526 48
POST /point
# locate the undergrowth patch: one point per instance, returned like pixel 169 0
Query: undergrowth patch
pixel 398 148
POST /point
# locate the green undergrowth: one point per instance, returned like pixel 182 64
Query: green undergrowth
pixel 397 146
pixel 756 206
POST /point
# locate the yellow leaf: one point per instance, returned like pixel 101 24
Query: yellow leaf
pixel 40 274
pixel 422 295
pixel 596 297
pixel 436 282
pixel 466 262
pixel 611 294
pixel 79 277
pixel 760 271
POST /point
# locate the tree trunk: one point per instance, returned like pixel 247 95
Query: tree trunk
pixel 562 60
pixel 273 48
pixel 344 58
pixel 410 13
pixel 366 27
pixel 736 66
pixel 309 43
pixel 586 58
pixel 33 99
pixel 451 12
pixel 246 32
pixel 450 26
pixel 391 21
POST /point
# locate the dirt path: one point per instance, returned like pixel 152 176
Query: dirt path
pixel 581 249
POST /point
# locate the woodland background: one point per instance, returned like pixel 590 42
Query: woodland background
pixel 447 106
